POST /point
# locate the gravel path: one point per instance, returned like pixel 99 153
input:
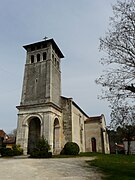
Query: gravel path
pixel 47 169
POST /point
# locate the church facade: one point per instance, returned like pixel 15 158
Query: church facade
pixel 43 112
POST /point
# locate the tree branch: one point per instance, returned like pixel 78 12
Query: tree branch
pixel 130 88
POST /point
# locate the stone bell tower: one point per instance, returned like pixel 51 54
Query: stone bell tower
pixel 42 77
pixel 40 102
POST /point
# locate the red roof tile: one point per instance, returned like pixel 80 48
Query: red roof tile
pixel 2 133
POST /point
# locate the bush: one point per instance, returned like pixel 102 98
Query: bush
pixel 62 152
pixel 15 151
pixel 43 145
pixel 41 150
pixel 40 154
pixel 6 152
pixel 70 148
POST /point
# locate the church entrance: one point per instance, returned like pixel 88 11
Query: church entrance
pixel 33 133
pixel 93 142
pixel 56 137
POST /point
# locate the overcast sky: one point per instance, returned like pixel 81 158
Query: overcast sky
pixel 76 26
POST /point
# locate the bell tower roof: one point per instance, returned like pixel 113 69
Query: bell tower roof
pixel 31 47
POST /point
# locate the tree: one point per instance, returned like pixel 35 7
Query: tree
pixel 41 150
pixel 119 44
pixel 113 139
pixel 122 115
pixel 123 120
pixel 13 133
pixel 118 81
pixel 127 132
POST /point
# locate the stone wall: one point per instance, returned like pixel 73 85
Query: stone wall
pixel 67 119
pixel 95 127
pixel 46 115
pixel 105 135
pixel 78 119
pixel 56 84
pixel 34 86
pixel 132 146
pixel 93 130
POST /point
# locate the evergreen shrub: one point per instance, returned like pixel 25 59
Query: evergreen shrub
pixel 41 150
pixel 70 148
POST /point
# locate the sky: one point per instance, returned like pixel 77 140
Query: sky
pixel 76 26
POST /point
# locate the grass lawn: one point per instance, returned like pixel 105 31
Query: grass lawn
pixel 119 167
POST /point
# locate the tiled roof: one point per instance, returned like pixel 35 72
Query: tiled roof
pixel 10 140
pixel 46 42
pixel 120 145
pixel 93 119
pixel 2 133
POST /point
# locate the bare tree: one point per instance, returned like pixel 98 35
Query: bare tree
pixel 123 122
pixel 122 116
pixel 118 80
pixel 127 132
pixel 13 133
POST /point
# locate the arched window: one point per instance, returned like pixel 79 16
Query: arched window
pixel 53 59
pixel 58 64
pixel 55 62
pixel 32 58
pixel 44 56
pixel 56 136
pixel 93 143
pixel 38 57
pixel 52 56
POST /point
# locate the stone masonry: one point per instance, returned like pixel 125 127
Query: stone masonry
pixel 43 112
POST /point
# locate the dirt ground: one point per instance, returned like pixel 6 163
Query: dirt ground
pixel 47 169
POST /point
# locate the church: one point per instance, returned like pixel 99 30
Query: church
pixel 43 112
